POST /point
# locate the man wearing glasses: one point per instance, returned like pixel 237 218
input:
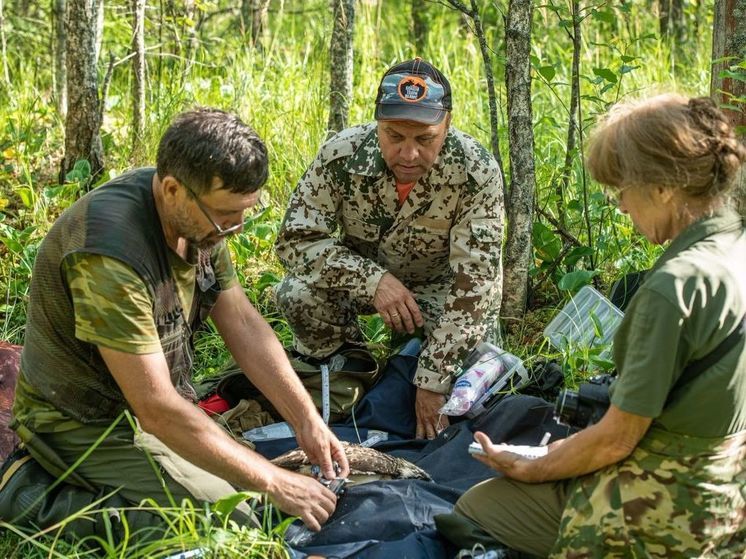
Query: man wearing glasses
pixel 120 283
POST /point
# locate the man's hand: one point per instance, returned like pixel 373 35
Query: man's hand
pixel 322 447
pixel 302 496
pixel 429 421
pixel 396 305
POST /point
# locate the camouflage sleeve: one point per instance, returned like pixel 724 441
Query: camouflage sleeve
pixel 474 296
pixel 307 245
pixel 112 305
pixel 223 266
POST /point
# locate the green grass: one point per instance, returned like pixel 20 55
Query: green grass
pixel 282 92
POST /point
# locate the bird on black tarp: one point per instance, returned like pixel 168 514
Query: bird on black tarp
pixel 366 464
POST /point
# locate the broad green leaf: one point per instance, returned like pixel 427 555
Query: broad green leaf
pixel 572 281
pixel 546 243
pixel 27 196
pixel 267 279
pixel 606 73
pixel 547 72
pixel 227 505
pixel 576 254
pixel 607 16
pixel 598 328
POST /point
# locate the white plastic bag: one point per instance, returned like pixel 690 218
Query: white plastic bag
pixel 472 384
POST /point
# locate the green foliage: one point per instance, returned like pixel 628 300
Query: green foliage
pixel 186 527
pixel 282 90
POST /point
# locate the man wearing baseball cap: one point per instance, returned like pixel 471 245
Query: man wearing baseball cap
pixel 402 217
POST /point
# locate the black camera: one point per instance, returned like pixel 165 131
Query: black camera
pixel 586 405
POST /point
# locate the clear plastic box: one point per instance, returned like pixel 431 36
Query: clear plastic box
pixel 588 320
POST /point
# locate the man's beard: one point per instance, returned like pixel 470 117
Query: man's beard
pixel 207 243
pixel 187 229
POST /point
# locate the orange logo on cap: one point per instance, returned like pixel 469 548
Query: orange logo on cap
pixel 412 89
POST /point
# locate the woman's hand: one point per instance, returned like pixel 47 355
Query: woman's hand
pixel 507 463
pixel 610 440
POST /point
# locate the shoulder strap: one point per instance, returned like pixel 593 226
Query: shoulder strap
pixel 695 368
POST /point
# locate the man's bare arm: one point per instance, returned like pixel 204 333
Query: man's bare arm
pixel 161 411
pixel 260 355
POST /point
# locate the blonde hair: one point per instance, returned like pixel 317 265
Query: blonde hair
pixel 670 141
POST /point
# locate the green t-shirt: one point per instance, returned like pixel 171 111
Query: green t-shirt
pixel 113 309
pixel 694 297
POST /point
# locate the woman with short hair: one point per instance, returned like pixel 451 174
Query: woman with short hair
pixel 662 474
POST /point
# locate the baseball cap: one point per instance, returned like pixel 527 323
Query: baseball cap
pixel 413 90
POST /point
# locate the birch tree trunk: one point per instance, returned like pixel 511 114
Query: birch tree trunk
pixel 472 13
pixel 254 15
pixel 340 64
pixel 99 29
pixel 420 26
pixel 572 123
pixel 520 203
pixel 729 40
pixel 3 46
pixel 190 15
pixel 60 50
pixel 82 140
pixel 138 81
pixel 671 19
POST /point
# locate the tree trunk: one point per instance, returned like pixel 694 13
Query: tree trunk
pixel 254 16
pixel 99 30
pixel 729 40
pixel 492 96
pixel 420 26
pixel 3 46
pixel 82 140
pixel 340 64
pixel 60 49
pixel 572 122
pixel 671 20
pixel 520 204
pixel 190 16
pixel 138 82
pixel 472 14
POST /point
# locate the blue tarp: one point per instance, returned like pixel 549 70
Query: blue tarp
pixel 386 519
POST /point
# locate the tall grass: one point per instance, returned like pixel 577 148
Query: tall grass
pixel 282 90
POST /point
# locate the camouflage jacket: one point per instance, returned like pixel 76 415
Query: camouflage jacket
pixel 344 229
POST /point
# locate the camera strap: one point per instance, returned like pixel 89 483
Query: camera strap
pixel 694 369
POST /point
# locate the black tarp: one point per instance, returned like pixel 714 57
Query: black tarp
pixel 394 519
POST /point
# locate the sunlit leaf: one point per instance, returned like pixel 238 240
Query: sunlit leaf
pixel 606 73
pixel 572 281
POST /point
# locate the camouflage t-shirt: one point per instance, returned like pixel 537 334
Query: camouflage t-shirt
pixel 113 309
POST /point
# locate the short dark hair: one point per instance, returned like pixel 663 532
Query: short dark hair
pixel 205 143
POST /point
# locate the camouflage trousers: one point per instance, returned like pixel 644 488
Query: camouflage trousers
pixel 674 496
pixel 324 319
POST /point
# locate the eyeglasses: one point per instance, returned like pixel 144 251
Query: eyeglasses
pixel 255 211
pixel 614 195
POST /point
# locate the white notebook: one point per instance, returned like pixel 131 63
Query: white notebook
pixel 527 451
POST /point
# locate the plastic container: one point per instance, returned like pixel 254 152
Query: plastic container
pixel 270 432
pixel 588 320
pixel 486 369
pixel 513 377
